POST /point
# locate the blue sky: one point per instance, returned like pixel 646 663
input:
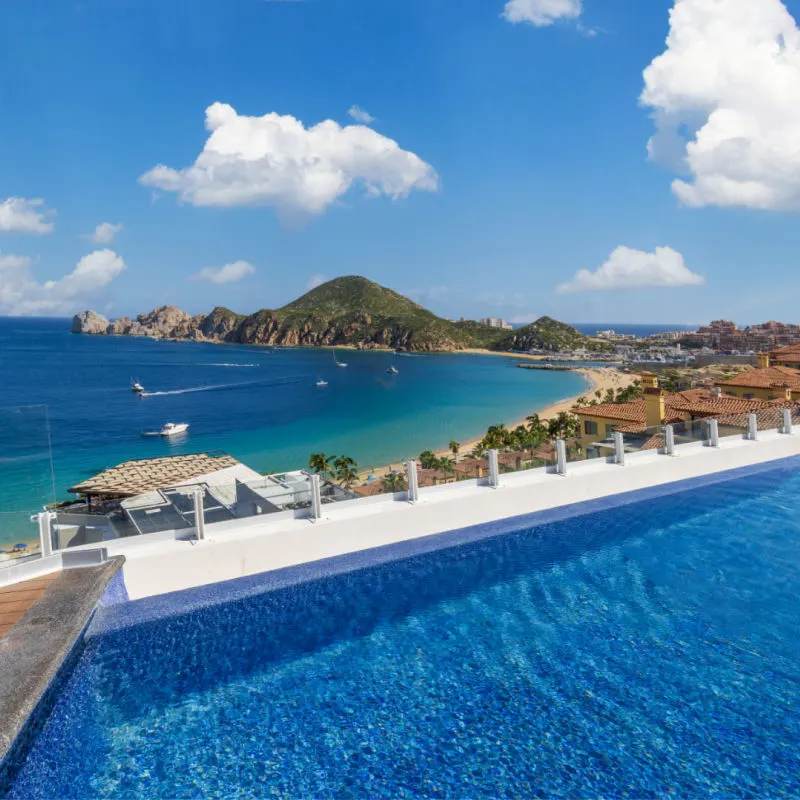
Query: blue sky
pixel 521 155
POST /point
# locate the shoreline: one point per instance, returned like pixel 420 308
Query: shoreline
pixel 597 379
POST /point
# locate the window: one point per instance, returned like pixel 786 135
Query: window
pixel 748 395
pixel 590 428
pixel 610 429
pixel 731 394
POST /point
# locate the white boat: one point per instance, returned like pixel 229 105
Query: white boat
pixel 320 382
pixel 337 362
pixel 393 371
pixel 174 428
pixel 137 387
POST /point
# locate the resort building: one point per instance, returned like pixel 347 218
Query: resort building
pixel 770 381
pixel 496 322
pixel 657 407
pixel 788 356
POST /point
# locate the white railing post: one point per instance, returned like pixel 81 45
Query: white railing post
pixel 787 420
pixel 561 455
pixel 713 433
pixel 619 448
pixel 752 427
pixel 413 481
pixel 316 498
pixel 669 439
pixel 199 514
pixel 494 469
pixel 46 533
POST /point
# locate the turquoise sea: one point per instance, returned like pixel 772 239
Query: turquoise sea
pixel 70 396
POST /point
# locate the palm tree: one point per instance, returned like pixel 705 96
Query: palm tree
pixel 428 459
pixel 346 471
pixel 447 466
pixel 321 464
pixel 394 482
pixel 455 449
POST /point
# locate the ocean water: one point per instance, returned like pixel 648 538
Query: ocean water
pixel 641 330
pixel 259 404
pixel 650 649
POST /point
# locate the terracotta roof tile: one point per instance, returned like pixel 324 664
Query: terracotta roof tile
pixel 769 378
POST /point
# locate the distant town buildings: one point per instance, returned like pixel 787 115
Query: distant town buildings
pixel 613 336
pixel 722 334
pixel 496 322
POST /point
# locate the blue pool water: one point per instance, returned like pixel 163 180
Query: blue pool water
pixel 648 647
pixel 259 404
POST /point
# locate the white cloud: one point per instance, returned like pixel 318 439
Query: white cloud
pixel 18 215
pixel 524 319
pixel 433 294
pixel 20 294
pixel 634 269
pixel 317 280
pixel 275 161
pixel 541 12
pixel 230 273
pixel 104 233
pixel 360 115
pixel 725 99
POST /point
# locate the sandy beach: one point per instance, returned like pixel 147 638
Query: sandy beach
pixel 597 379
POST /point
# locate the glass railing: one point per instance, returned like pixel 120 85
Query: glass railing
pixel 651 439
pixel 26 479
pixel 691 432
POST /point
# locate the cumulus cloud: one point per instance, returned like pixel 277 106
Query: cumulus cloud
pixel 230 273
pixel 104 233
pixel 541 12
pixel 18 215
pixel 276 161
pixel 634 269
pixel 317 280
pixel 21 294
pixel 725 100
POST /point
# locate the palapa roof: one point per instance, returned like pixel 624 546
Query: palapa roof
pixel 768 378
pixel 145 475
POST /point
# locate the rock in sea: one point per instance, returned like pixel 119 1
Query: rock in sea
pixel 89 322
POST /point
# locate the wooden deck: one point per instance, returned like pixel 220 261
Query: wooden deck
pixel 16 599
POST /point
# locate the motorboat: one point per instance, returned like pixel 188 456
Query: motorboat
pixel 137 387
pixel 393 371
pixel 337 362
pixel 322 383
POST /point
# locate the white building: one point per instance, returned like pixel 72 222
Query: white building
pixel 496 322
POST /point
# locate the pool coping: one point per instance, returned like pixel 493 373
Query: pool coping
pixel 185 601
pixel 34 651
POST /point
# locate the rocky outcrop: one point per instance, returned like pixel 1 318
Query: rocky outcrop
pixel 89 322
pixel 167 321
pixel 120 327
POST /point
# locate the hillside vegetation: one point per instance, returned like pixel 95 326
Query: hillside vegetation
pixel 549 335
pixel 349 311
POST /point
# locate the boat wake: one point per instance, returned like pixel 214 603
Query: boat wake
pixel 220 387
pixel 231 365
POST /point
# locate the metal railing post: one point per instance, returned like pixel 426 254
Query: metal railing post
pixel 752 427
pixel 787 420
pixel 46 533
pixel 713 433
pixel 199 514
pixel 669 439
pixel 413 481
pixel 561 454
pixel 494 469
pixel 316 498
pixel 619 448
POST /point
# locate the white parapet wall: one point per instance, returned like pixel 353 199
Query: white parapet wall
pixel 246 547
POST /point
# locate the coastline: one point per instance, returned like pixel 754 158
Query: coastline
pixel 597 379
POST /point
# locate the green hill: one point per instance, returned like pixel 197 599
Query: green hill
pixel 549 335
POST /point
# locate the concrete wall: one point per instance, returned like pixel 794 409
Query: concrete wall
pixel 246 547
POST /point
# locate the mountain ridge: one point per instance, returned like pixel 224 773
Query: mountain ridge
pixel 346 311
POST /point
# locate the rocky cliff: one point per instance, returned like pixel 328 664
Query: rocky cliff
pixel 89 322
pixel 346 311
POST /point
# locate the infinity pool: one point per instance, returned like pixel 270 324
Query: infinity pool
pixel 650 646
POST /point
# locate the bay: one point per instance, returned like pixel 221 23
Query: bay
pixel 70 396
